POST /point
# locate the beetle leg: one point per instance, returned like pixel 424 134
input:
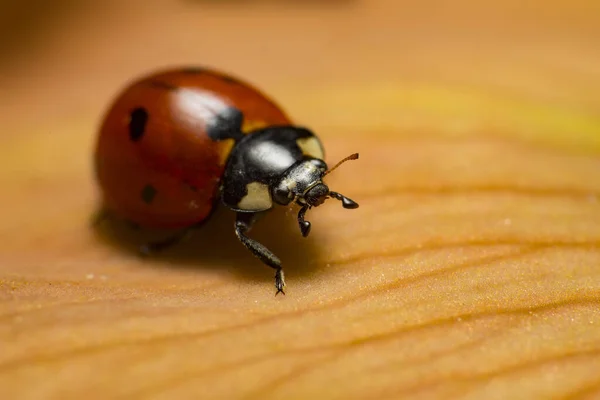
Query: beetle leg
pixel 243 224
pixel 102 215
pixel 99 217
pixel 159 245
pixel 304 225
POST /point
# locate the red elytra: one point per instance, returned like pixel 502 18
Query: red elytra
pixel 156 161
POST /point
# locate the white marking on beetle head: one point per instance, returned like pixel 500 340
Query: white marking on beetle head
pixel 289 183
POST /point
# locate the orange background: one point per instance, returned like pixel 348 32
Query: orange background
pixel 472 267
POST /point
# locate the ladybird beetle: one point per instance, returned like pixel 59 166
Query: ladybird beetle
pixel 177 141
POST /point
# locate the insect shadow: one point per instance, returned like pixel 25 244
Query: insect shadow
pixel 213 244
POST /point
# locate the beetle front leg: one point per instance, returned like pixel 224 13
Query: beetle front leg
pixel 243 224
pixel 304 225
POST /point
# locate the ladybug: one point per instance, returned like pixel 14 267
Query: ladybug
pixel 176 142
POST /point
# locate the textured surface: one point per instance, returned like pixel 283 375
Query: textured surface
pixel 471 270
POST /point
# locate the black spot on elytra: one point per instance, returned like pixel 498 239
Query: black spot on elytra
pixel 162 85
pixel 148 194
pixel 226 125
pixel 137 123
pixel 191 186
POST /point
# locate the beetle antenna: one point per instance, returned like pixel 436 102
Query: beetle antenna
pixel 350 157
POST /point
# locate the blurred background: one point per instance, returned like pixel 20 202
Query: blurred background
pixel 353 66
pixel 463 95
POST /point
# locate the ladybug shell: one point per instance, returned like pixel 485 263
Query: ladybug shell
pixel 165 141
